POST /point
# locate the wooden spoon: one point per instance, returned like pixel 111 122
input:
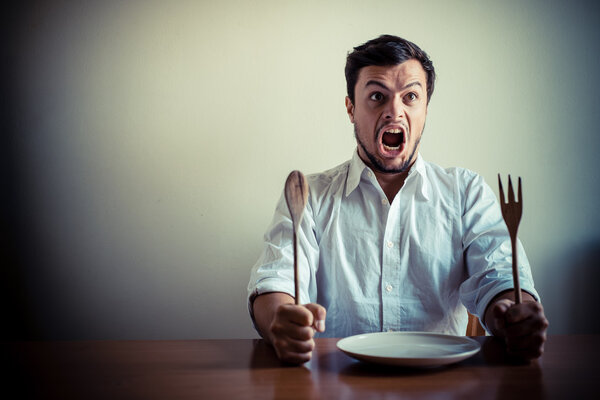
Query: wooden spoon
pixel 296 195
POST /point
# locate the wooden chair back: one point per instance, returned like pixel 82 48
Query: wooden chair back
pixel 474 328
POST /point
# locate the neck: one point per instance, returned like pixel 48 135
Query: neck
pixel 391 183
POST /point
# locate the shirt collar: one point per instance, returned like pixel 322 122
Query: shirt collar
pixel 419 169
pixel 358 167
pixel 355 171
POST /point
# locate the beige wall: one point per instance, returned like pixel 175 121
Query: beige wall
pixel 152 140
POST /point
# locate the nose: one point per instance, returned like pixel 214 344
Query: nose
pixel 395 109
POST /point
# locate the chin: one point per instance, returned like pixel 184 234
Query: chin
pixel 397 166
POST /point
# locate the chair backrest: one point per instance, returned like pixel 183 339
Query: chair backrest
pixel 474 328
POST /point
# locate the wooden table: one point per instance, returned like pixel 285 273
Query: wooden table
pixel 248 369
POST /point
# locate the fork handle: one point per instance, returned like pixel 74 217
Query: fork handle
pixel 515 270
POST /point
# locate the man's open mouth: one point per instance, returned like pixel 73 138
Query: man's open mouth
pixel 392 139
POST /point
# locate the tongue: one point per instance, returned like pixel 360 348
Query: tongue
pixel 392 140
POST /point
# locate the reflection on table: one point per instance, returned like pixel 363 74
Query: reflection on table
pixel 248 368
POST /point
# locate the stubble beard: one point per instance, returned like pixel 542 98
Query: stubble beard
pixel 378 165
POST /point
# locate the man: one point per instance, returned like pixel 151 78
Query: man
pixel 389 241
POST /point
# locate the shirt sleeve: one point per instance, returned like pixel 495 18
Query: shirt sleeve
pixel 487 250
pixel 274 269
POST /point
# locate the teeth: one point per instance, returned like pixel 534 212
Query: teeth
pixel 394 131
pixel 391 148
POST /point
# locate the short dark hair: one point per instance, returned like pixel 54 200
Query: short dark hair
pixel 383 51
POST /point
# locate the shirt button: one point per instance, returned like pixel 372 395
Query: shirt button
pixel 388 288
pixel 384 201
pixel 389 244
pixel 370 174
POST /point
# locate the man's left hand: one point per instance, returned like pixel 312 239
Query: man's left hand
pixel 522 326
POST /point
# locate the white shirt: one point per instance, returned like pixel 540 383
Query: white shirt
pixel 413 265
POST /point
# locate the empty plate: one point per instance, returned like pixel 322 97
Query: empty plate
pixel 417 349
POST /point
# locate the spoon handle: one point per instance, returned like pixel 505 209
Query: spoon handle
pixel 296 286
pixel 296 196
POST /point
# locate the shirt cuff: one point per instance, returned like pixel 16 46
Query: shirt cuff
pixel 487 299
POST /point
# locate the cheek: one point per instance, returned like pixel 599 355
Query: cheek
pixel 368 120
pixel 417 121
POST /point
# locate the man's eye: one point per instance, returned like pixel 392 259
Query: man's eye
pixel 411 96
pixel 377 96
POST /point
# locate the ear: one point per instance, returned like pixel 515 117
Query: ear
pixel 350 109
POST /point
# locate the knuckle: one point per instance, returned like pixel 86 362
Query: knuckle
pixel 276 328
pixel 300 333
pixel 545 323
pixel 535 306
pixel 278 344
pixel 306 346
pixel 542 324
pixel 537 353
pixel 281 311
pixel 541 350
pixel 306 320
pixel 295 358
pixel 308 333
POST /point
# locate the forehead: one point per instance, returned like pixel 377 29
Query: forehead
pixel 401 74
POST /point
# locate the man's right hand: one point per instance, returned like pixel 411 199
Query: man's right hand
pixel 293 329
pixel 288 327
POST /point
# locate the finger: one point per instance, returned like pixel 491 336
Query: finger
pixel 528 354
pixel 499 313
pixel 524 343
pixel 299 315
pixel 288 345
pixel 530 325
pixel 294 358
pixel 528 347
pixel 319 314
pixel 286 329
pixel 501 307
pixel 294 351
pixel 520 312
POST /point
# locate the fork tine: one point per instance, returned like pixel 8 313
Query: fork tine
pixel 511 193
pixel 519 191
pixel 501 190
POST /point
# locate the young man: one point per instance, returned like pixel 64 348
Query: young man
pixel 388 240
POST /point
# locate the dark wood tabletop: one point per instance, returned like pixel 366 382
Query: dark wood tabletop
pixel 249 369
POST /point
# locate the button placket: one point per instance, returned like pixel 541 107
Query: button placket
pixel 390 264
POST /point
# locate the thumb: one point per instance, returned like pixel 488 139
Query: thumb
pixel 319 313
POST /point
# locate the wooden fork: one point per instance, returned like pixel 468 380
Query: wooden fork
pixel 511 212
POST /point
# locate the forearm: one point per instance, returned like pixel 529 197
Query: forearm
pixel 264 308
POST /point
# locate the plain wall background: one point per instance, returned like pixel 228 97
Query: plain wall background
pixel 146 143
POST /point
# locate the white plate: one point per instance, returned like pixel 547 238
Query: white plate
pixel 415 349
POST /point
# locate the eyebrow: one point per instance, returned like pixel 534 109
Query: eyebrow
pixel 377 83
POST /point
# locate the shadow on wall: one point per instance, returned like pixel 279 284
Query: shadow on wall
pixel 582 289
pixel 13 300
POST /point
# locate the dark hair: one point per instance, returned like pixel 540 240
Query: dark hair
pixel 383 51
